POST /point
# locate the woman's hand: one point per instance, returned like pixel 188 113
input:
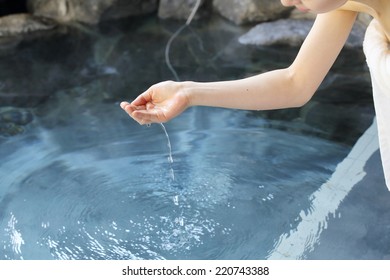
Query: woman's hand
pixel 160 103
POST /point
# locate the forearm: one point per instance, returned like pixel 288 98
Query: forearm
pixel 290 87
pixel 272 90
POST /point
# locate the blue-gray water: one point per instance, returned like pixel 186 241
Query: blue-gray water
pixel 84 181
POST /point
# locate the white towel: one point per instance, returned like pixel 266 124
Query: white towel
pixel 376 47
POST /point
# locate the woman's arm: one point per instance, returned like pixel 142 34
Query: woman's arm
pixel 289 87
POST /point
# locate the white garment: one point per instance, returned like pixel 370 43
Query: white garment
pixel 377 50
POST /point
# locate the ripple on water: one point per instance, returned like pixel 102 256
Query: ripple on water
pixel 15 238
pixel 114 197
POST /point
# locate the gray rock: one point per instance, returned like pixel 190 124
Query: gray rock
pixel 356 38
pixel 10 129
pixel 15 116
pixel 281 32
pixel 17 24
pixel 292 32
pixel 247 11
pixel 12 120
pixel 90 11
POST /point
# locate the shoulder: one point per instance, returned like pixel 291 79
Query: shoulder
pixel 378 9
pixel 337 17
pixel 363 6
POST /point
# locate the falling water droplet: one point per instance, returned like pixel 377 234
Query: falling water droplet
pixel 170 158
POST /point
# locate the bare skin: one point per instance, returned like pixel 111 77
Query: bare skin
pixel 283 88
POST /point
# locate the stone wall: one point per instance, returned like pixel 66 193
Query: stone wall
pixel 40 19
pixel 90 11
pixel 241 12
pixel 249 11
pixel 93 11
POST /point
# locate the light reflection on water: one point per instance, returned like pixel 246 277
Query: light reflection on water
pixel 86 182
pixel 93 189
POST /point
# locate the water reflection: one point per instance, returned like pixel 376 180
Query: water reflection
pixel 91 188
pixel 83 181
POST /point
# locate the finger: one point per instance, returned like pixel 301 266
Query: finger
pixel 143 98
pixel 129 108
pixel 148 116
pixel 124 104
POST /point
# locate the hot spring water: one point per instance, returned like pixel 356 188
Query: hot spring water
pixel 84 181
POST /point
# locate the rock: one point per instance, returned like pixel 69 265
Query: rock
pixel 13 120
pixel 17 24
pixel 292 32
pixel 9 129
pixel 247 11
pixel 15 116
pixel 281 32
pixel 365 19
pixel 356 37
pixel 178 9
pixel 90 11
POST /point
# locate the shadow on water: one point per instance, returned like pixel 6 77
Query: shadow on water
pixel 80 180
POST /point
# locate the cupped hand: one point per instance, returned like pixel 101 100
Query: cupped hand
pixel 160 103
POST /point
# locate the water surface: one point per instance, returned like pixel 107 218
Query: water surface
pixel 81 180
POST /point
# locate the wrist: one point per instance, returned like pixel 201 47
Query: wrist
pixel 188 90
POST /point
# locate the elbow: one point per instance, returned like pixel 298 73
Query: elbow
pixel 300 99
pixel 300 91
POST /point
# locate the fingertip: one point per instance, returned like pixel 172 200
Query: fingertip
pixel 123 104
